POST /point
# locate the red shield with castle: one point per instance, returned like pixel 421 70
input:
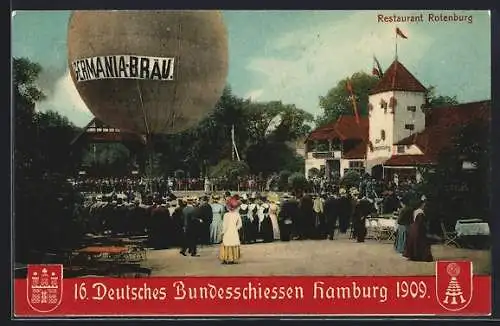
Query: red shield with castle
pixel 45 287
pixel 454 287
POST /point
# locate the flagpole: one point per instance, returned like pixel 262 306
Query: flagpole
pixel 396 42
pixel 232 142
pixel 235 149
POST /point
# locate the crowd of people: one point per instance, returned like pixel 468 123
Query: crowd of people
pixel 160 184
pixel 264 217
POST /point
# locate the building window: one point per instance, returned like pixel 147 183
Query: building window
pixel 355 164
pixel 401 149
pixel 409 126
pixel 412 108
pixel 382 134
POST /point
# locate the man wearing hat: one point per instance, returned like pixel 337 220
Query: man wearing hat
pixel 362 210
pixel 190 228
pixel 205 214
pixel 246 222
pixel 288 213
pixel 331 215
pixel 344 211
pixel 253 226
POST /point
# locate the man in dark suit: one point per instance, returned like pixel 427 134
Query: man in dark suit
pixel 190 228
pixel 331 216
pixel 288 215
pixel 205 214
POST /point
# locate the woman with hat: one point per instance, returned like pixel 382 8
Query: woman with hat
pixel 216 225
pixel 273 214
pixel 405 218
pixel 418 247
pixel 230 249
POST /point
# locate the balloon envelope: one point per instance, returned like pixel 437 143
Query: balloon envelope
pixel 185 59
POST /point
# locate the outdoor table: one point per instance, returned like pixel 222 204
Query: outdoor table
pixel 381 228
pixel 472 233
pixel 111 258
pixel 93 250
pixel 472 227
pixel 385 223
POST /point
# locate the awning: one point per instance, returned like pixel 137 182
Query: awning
pixel 376 161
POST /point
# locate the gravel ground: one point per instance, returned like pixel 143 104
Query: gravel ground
pixel 311 257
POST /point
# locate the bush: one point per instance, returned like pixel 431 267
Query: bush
pixel 179 174
pixel 298 182
pixel 313 173
pixel 229 169
pixel 350 179
pixel 283 180
pixel 46 215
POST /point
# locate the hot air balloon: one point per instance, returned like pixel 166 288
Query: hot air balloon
pixel 148 72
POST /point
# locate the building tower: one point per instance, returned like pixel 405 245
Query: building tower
pixel 395 112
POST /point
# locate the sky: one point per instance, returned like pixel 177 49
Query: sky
pixel 294 56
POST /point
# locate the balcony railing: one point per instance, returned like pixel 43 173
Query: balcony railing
pixel 325 155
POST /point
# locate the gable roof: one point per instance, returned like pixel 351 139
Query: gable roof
pixel 398 78
pixel 344 128
pixel 98 131
pixel 442 124
pixel 458 114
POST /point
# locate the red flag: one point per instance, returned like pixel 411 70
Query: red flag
pixel 398 32
pixel 353 99
pixel 349 86
pixel 378 67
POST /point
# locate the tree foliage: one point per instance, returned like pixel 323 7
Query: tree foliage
pixel 434 100
pixel 298 183
pixel 207 144
pixel 229 169
pixel 455 192
pixel 45 203
pixel 350 179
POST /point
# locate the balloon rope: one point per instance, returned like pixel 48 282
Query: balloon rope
pixel 143 112
pixel 149 147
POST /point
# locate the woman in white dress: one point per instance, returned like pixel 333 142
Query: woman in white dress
pixel 231 223
pixel 273 214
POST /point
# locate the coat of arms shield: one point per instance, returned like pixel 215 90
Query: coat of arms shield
pixel 45 287
pixel 454 287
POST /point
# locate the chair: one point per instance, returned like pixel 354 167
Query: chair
pixel 450 237
pixel 373 230
pixel 382 232
pixel 387 233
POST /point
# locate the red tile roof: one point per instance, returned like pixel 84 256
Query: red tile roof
pixel 358 152
pixel 458 114
pixel 398 78
pixel 442 124
pixel 408 160
pixel 344 128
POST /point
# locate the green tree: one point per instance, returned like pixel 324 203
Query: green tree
pixel 44 208
pixel 229 169
pixel 54 133
pixel 455 192
pixel 26 95
pixel 337 101
pixel 350 179
pixel 298 183
pixel 434 100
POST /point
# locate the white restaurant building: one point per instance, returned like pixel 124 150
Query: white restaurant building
pixel 400 134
